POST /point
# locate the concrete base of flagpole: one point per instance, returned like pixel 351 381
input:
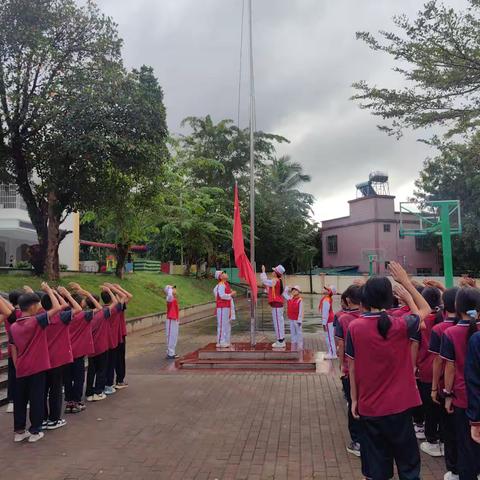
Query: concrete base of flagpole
pixel 242 356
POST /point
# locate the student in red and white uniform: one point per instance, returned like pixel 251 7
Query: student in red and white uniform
pixel 472 380
pixel 352 297
pixel 295 312
pixel 276 300
pixel 447 425
pixel 172 322
pixel 454 349
pixel 424 363
pixel 326 309
pixel 29 346
pixel 223 294
pixel 382 382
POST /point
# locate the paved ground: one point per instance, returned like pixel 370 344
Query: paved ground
pixel 183 426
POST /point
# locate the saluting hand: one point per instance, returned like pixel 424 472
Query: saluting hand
pixel 398 273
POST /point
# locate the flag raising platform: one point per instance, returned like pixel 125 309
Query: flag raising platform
pixel 243 356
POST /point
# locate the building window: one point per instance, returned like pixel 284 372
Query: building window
pixel 386 227
pixel 332 244
pixel 423 244
pixel 424 271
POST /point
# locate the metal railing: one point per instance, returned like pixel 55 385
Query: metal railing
pixel 10 198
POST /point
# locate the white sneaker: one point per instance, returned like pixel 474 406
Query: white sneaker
pixel 327 356
pixel 35 437
pixel 218 345
pixel 99 397
pixel 278 344
pixel 52 425
pixel 451 476
pixel 20 437
pixel 9 407
pixel 90 398
pixel 109 390
pixel 224 345
pixel 432 449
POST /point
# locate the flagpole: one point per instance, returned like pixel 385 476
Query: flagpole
pixel 252 176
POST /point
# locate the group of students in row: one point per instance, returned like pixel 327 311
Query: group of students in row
pixel 50 333
pixel 410 365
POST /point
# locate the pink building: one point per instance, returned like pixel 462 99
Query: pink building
pixel 372 231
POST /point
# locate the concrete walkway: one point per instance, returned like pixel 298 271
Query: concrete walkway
pixel 170 425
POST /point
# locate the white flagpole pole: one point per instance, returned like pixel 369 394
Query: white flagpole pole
pixel 252 175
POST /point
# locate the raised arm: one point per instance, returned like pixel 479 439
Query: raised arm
pixel 125 293
pixel 53 298
pixel 6 308
pixel 265 280
pixel 76 308
pixel 400 275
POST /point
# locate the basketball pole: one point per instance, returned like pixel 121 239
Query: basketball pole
pixel 446 244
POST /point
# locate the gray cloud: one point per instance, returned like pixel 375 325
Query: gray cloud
pixel 306 57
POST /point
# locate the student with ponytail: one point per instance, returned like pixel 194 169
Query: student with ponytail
pixel 454 350
pixel 382 382
pixel 447 425
pixel 424 364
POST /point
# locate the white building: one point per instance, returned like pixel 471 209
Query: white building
pixel 17 232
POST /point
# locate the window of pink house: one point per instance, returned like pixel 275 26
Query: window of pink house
pixel 332 246
pixel 386 227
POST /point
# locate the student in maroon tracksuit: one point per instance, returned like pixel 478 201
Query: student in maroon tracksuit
pixel 82 345
pixel 60 352
pixel 352 298
pixel 382 381
pixel 28 337
pixel 111 299
pixel 424 363
pixel 447 425
pixel 453 350
pixel 9 321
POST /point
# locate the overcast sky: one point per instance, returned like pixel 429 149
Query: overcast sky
pixel 306 58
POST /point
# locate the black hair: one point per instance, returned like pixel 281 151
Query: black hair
pixel 46 302
pixel 448 298
pixel 378 293
pixel 354 294
pixel 107 298
pixel 26 300
pixel 89 302
pixel 467 299
pixel 78 298
pixel 419 288
pixel 395 303
pixel 433 297
pixel 13 297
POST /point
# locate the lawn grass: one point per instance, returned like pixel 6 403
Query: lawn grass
pixel 147 288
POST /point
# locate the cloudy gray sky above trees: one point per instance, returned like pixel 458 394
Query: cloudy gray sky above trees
pixel 306 58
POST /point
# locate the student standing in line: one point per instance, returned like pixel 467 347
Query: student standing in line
pixel 326 309
pixel 424 363
pixel 472 380
pixel 275 300
pixel 295 315
pixel 454 350
pixel 352 298
pixel 382 382
pixel 28 338
pixel 9 321
pixel 172 322
pixel 447 424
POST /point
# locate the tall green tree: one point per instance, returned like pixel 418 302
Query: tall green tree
pixel 50 52
pixel 284 227
pixel 437 56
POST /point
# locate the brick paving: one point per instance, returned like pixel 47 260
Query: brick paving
pixel 170 425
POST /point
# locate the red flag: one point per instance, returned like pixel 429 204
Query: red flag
pixel 244 266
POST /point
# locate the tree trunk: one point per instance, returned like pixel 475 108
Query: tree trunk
pixel 122 252
pixel 37 209
pixel 52 266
